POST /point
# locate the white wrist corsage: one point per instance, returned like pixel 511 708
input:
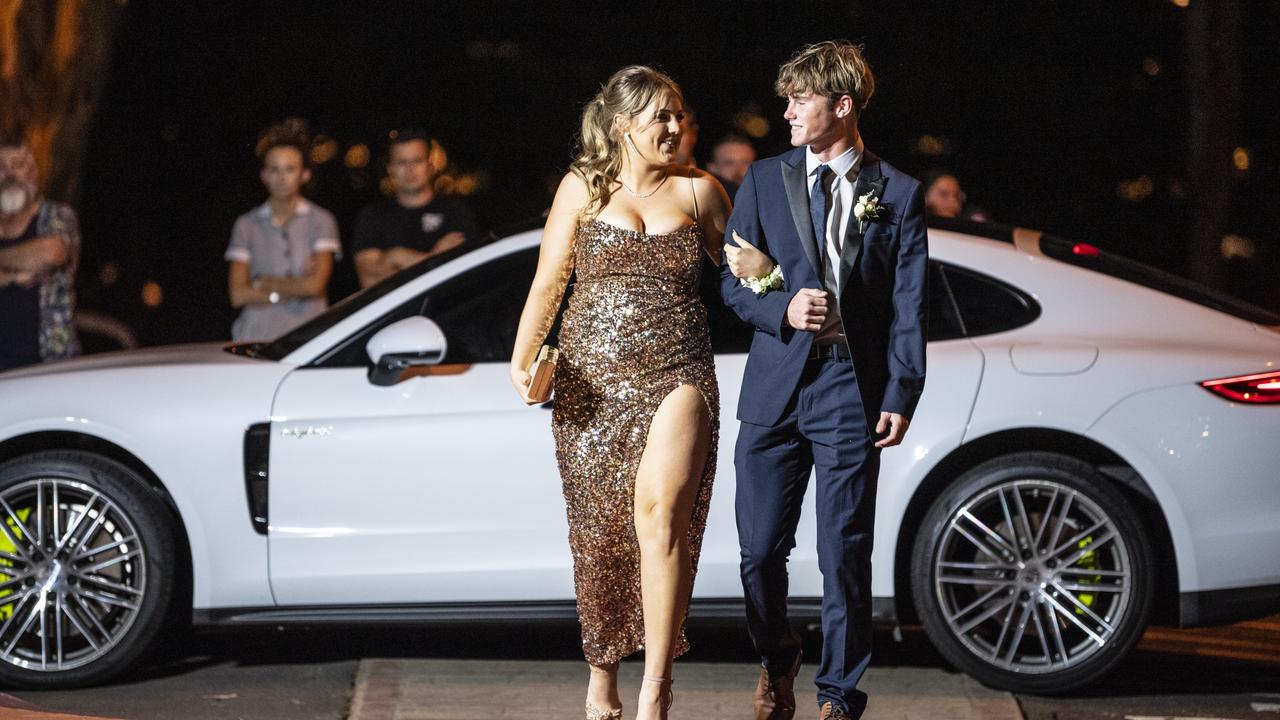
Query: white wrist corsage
pixel 763 284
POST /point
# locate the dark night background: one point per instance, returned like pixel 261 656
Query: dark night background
pixel 1066 117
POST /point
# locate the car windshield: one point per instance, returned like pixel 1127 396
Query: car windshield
pixel 308 331
pixel 1090 258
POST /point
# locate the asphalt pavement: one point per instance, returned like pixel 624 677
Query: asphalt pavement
pixel 477 672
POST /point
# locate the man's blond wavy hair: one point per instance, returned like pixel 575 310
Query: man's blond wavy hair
pixel 830 69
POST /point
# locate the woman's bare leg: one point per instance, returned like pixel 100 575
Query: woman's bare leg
pixel 602 688
pixel 666 486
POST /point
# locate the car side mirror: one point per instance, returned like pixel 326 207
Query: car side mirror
pixel 411 342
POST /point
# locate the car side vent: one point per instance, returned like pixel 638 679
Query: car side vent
pixel 257 453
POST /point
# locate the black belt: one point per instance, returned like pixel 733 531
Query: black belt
pixel 837 351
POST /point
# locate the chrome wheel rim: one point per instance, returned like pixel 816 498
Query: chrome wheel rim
pixel 1032 576
pixel 72 574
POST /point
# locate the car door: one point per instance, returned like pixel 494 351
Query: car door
pixel 440 488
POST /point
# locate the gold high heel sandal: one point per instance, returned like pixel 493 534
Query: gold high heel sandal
pixel 667 699
pixel 595 713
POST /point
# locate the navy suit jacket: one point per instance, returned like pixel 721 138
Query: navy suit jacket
pixel 883 280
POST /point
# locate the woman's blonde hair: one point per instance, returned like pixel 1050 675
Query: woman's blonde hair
pixel 599 157
pixel 831 69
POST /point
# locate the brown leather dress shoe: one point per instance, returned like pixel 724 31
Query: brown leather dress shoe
pixel 775 697
pixel 831 711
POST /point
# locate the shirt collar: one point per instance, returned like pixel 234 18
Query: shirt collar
pixel 263 211
pixel 848 164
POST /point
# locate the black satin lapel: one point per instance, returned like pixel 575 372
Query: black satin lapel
pixel 793 179
pixel 868 180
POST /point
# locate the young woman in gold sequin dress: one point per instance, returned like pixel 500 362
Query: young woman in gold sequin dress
pixel 636 403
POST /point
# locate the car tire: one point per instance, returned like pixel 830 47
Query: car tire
pixel 1032 573
pixel 92 595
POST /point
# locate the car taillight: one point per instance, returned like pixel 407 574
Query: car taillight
pixel 1261 388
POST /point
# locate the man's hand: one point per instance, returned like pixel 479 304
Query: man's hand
pixel 446 243
pixel 745 260
pixel 894 424
pixel 808 309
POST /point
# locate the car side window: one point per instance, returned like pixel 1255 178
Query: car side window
pixel 478 311
pixel 944 318
pixel 987 305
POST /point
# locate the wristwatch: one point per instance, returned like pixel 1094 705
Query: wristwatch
pixel 273 297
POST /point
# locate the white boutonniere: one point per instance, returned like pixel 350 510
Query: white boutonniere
pixel 868 209
pixel 762 285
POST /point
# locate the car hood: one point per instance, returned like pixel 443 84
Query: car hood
pixel 194 354
pixel 112 393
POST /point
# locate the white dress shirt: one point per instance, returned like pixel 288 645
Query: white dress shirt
pixel 840 204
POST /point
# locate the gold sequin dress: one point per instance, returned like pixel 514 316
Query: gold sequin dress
pixel 634 331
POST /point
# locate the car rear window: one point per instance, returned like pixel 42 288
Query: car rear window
pixel 1090 258
pixel 987 305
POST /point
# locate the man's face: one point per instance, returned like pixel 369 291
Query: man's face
pixel 18 179
pixel 813 120
pixel 732 160
pixel 410 168
pixel 283 172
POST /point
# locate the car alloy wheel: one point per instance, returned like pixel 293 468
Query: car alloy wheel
pixel 1032 573
pixel 72 574
pixel 87 569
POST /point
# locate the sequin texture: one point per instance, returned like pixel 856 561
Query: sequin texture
pixel 635 330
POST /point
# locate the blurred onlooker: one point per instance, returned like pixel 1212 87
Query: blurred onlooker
pixel 282 252
pixel 396 232
pixel 726 154
pixel 688 138
pixel 39 250
pixel 730 158
pixel 944 198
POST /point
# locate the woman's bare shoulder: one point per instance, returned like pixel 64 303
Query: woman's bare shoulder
pixel 707 188
pixel 572 195
pixel 572 185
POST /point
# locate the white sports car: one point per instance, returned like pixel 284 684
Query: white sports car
pixel 1096 449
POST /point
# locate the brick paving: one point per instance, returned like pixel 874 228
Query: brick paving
pixel 420 689
pixel 11 708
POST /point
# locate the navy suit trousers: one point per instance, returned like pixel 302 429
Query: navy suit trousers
pixel 823 428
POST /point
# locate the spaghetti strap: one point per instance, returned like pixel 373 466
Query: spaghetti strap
pixel 694 190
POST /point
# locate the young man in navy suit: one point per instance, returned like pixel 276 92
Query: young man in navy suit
pixel 835 370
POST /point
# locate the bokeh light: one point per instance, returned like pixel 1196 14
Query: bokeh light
pixel 1240 158
pixel 109 273
pixel 1237 246
pixel 323 149
pixel 933 145
pixel 152 294
pixel 1135 190
pixel 357 156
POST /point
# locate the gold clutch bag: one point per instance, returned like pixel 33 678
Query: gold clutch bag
pixel 541 373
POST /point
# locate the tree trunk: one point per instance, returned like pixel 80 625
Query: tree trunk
pixel 1214 44
pixel 55 59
